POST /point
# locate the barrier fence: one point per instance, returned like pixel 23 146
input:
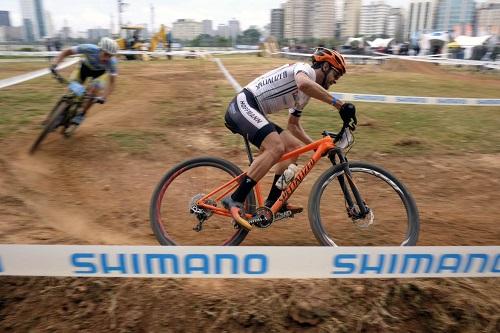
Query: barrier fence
pixel 249 262
pixel 33 75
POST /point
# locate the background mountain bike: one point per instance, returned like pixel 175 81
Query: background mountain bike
pixel 64 110
pixel 351 203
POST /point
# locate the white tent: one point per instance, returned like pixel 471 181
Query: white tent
pixel 469 43
pixel 429 43
pixel 381 42
pixel 360 40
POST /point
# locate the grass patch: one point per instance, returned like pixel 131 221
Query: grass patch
pixel 398 129
pixel 135 142
pixel 19 109
pixel 10 69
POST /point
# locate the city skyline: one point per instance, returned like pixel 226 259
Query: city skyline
pixel 166 12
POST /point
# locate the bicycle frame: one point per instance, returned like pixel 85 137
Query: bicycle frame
pixel 321 148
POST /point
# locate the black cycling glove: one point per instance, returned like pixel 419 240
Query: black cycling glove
pixel 348 115
pixel 53 69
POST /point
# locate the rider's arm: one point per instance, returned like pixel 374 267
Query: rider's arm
pixel 295 127
pixel 314 90
pixel 62 55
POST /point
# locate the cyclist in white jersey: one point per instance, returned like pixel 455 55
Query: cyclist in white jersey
pixel 287 87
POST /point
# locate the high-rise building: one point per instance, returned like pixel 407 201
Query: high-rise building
pixel 421 17
pixel 50 30
pixel 223 31
pixel 277 23
pixel 186 29
pixel 455 15
pixel 33 19
pixel 8 34
pixel 207 27
pixel 488 18
pixel 350 22
pixel 395 24
pixel 323 19
pixel 234 29
pixel 374 19
pixel 65 32
pixel 97 33
pixel 298 24
pixel 4 18
pixel 339 10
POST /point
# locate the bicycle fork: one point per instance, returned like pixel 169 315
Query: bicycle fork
pixel 362 209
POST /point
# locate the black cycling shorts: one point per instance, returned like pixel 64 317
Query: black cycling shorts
pixel 244 117
pixel 86 72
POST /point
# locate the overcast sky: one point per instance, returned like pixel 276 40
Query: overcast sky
pixel 82 15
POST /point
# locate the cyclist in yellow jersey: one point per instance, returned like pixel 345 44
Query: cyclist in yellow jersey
pixel 98 64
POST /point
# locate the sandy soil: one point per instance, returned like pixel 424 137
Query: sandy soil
pixel 88 190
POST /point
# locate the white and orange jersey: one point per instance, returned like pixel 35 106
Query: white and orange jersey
pixel 277 90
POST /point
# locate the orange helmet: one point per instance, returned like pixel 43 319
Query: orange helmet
pixel 333 57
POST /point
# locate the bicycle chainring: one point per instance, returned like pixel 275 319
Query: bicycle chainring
pixel 262 218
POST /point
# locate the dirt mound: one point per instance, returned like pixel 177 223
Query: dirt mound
pixel 48 305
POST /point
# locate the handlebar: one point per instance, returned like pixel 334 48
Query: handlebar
pixel 335 136
pixel 62 80
pixel 58 77
pixel 341 139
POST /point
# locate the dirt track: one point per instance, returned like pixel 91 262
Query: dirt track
pixel 89 190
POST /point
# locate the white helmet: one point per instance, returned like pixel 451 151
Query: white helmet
pixel 108 45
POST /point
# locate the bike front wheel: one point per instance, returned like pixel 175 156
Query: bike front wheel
pixel 393 215
pixel 173 219
pixel 54 120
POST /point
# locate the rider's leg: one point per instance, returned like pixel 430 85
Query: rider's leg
pixel 271 150
pixel 291 143
pixel 93 90
pixel 244 117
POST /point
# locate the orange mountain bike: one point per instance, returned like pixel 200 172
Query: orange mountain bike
pixel 351 203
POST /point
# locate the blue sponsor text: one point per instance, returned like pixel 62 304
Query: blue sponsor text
pixel 169 263
pixel 415 263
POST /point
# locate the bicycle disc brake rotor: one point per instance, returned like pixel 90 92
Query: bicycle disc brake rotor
pixel 366 221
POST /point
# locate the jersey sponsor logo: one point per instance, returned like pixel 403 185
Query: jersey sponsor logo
pixel 272 79
pixel 254 116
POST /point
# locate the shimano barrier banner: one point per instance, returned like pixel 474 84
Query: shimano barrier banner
pixel 391 99
pixel 249 262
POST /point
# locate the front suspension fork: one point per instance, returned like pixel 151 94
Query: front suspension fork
pixel 363 209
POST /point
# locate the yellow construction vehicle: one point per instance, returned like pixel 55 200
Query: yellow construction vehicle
pixel 132 38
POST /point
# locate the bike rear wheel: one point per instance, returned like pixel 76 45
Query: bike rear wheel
pixel 54 121
pixel 171 219
pixel 393 220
